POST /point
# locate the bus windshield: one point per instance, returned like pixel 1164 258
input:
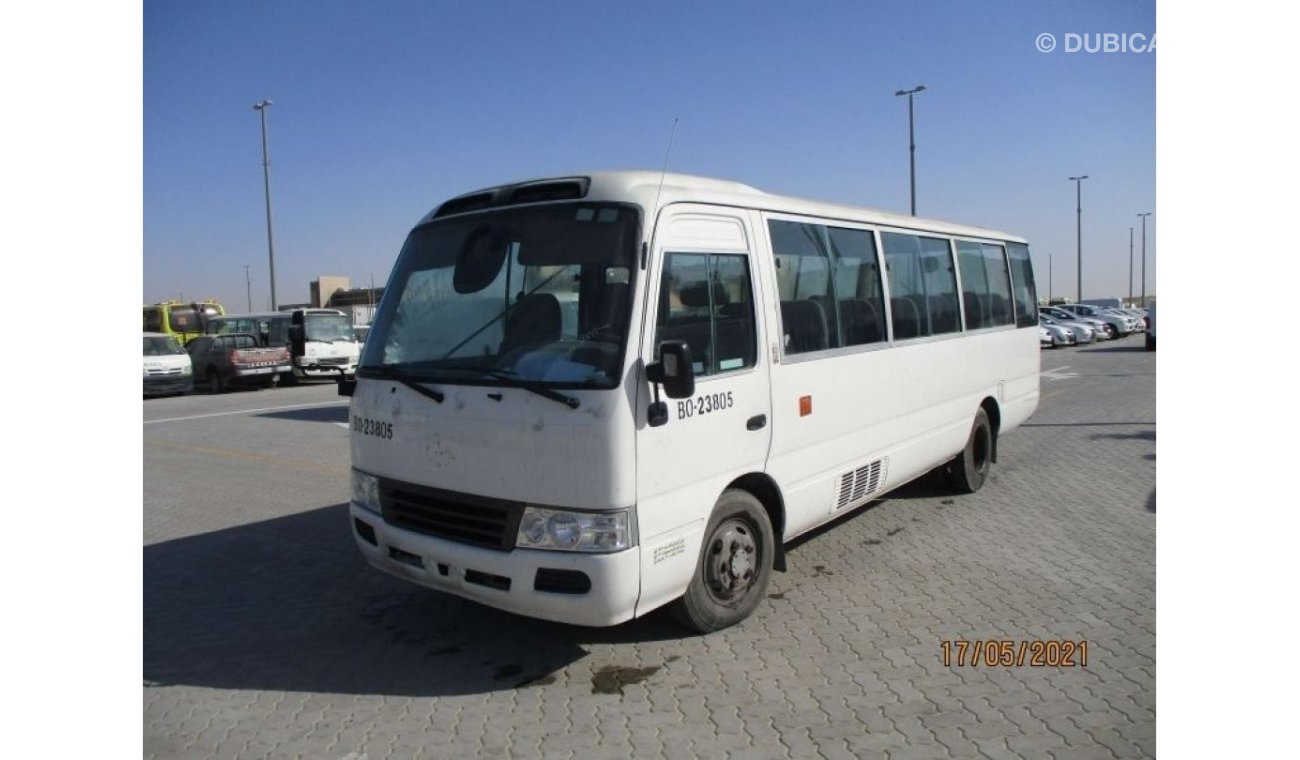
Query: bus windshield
pixel 528 295
pixel 328 328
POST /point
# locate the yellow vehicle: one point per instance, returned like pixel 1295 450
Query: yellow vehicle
pixel 182 321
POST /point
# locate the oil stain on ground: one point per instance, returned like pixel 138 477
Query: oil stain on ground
pixel 610 679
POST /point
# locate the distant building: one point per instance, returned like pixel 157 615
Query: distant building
pixel 324 287
pixel 358 303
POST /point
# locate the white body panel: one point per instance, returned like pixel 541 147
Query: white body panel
pixel 907 405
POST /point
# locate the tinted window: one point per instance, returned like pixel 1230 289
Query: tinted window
pixel 922 285
pixel 1022 278
pixel 985 285
pixel 707 301
pixel 828 279
pixel 161 346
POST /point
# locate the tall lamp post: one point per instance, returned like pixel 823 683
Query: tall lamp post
pixel 1130 266
pixel 248 280
pixel 911 138
pixel 1049 279
pixel 1144 257
pixel 1078 202
pixel 261 107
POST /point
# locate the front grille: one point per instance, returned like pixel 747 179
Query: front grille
pixel 340 361
pixel 490 523
pixel 165 372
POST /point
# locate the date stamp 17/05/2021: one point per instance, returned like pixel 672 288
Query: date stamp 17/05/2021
pixel 1037 653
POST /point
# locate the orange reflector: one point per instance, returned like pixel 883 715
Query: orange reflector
pixel 805 406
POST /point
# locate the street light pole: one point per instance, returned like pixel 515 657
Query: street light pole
pixel 911 138
pixel 1144 257
pixel 249 281
pixel 1130 266
pixel 261 107
pixel 1078 200
pixel 1049 279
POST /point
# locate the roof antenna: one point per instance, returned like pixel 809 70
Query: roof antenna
pixel 664 170
pixel 662 173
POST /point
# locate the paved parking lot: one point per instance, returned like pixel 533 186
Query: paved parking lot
pixel 266 635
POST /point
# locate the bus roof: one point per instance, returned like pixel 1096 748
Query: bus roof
pixel 651 189
pixel 285 314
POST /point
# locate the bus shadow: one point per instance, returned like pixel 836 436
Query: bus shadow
pixel 337 414
pixel 1138 348
pixel 289 605
pixel 928 486
pixel 1141 435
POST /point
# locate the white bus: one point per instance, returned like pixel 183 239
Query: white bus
pixel 584 398
pixel 321 341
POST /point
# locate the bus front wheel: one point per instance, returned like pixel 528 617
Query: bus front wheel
pixel 735 564
pixel 970 468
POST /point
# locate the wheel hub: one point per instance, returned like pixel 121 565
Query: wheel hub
pixel 732 559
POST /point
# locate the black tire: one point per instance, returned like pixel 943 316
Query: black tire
pixel 971 467
pixel 1151 342
pixel 288 378
pixel 734 566
pixel 1111 331
pixel 214 381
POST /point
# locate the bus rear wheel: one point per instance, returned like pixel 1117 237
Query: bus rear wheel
pixel 970 468
pixel 734 567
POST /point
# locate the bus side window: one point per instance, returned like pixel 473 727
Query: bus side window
pixel 829 283
pixel 706 300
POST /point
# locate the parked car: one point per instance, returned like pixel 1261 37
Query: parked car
pixel 1044 337
pixel 1151 328
pixel 1118 324
pixel 167 368
pixel 235 359
pixel 1135 314
pixel 1057 333
pixel 1085 330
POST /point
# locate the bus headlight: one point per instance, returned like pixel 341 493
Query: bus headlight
pixel 558 530
pixel 365 491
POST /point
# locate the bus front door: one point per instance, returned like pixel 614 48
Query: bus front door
pixel 705 294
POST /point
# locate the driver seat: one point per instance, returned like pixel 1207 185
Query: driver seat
pixel 535 320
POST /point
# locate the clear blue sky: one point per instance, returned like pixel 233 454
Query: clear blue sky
pixel 382 110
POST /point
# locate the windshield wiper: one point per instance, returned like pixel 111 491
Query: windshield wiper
pixel 538 388
pixel 390 372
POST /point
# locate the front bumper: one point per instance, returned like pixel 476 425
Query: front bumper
pixel 326 369
pixel 504 580
pixel 248 374
pixel 156 386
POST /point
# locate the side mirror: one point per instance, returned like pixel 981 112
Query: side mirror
pixel 673 370
pixel 347 386
pixel 297 340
